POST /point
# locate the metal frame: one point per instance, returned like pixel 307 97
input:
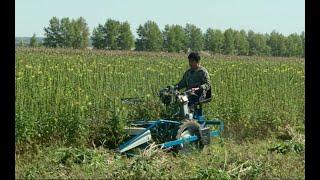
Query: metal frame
pixel 145 135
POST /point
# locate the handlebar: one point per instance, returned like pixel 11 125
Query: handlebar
pixel 192 90
pixel 170 94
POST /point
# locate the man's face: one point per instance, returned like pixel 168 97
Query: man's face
pixel 193 64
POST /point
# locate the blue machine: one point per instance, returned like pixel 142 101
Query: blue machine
pixel 189 126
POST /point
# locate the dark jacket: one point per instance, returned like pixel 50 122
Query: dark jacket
pixel 195 78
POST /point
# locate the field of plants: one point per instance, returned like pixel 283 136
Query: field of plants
pixel 69 115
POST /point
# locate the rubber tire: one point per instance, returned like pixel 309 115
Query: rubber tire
pixel 194 128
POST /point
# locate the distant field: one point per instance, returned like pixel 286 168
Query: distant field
pixel 72 97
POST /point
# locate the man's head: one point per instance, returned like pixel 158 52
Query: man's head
pixel 194 60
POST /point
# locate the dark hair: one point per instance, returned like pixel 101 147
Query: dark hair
pixel 194 56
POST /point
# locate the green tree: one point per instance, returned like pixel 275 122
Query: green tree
pixel 82 33
pixel 241 43
pixel 112 34
pixel 252 48
pixel 78 34
pixel 125 38
pixel 149 37
pixel 258 44
pixel 302 36
pixel 195 39
pixel 33 41
pixel 99 37
pixel 52 33
pixel 277 43
pixel 21 43
pixel 140 44
pixel 214 41
pixel 229 41
pixel 174 38
pixel 65 32
pixel 294 45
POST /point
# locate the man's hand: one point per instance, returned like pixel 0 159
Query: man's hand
pixel 194 89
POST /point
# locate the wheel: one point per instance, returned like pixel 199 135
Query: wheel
pixel 189 128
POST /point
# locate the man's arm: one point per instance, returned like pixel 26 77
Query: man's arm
pixel 182 83
pixel 206 81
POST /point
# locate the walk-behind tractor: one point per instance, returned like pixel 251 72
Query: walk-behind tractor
pixel 188 128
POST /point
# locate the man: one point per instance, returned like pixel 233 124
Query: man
pixel 195 77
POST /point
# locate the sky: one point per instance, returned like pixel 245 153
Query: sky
pixel 261 16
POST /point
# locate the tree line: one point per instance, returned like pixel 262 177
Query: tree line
pixel 115 35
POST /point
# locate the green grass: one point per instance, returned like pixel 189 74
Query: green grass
pixel 68 101
pixel 246 160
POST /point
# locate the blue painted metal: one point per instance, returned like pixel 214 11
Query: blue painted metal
pixel 198 116
pixel 215 133
pixel 200 119
pixel 137 136
pixel 179 141
pixel 221 126
pixel 171 129
pixel 153 124
pixel 169 121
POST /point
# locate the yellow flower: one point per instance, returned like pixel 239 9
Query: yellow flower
pixel 28 66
